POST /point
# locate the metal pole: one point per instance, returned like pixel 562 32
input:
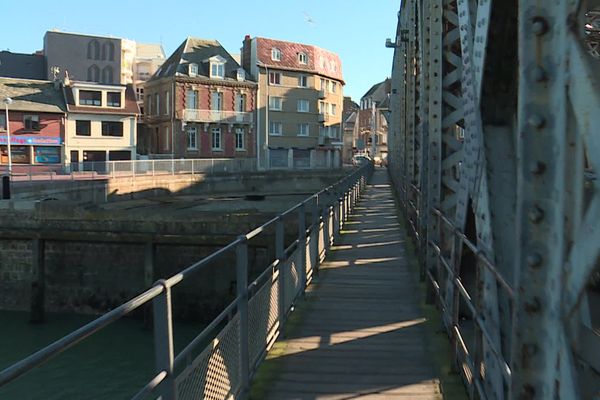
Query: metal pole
pixel 280 254
pixel 302 246
pixel 8 101
pixel 163 340
pixel 241 254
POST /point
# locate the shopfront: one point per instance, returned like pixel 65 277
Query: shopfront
pixel 31 149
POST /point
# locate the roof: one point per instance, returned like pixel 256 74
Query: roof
pixel 319 60
pixel 59 32
pixel 32 95
pixel 131 107
pixel 149 50
pixel 379 91
pixel 197 51
pixel 24 66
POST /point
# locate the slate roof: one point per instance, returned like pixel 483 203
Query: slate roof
pixel 319 61
pixel 32 95
pixel 131 106
pixel 379 92
pixel 194 50
pixel 24 66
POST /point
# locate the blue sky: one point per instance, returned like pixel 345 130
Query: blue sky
pixel 355 29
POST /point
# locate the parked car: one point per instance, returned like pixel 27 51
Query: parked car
pixel 359 160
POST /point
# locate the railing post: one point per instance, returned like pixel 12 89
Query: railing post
pixel 280 254
pixel 343 209
pixel 326 220
pixel 241 255
pixel 193 173
pixel 302 246
pixel 163 340
pixel 315 233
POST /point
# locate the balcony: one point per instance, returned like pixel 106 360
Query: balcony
pixel 226 117
pixel 323 117
pixel 321 94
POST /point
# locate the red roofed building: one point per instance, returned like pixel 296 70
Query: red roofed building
pixel 299 103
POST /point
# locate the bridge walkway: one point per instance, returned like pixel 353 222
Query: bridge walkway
pixel 360 332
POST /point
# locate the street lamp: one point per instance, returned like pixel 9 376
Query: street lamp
pixel 7 102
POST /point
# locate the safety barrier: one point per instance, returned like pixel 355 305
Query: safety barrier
pixel 244 331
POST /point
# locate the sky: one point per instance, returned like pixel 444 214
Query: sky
pixel 354 29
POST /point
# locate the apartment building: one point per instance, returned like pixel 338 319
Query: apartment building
pixel 101 122
pixel 200 104
pixel 372 120
pixel 148 59
pixel 299 103
pixel 349 116
pixel 36 115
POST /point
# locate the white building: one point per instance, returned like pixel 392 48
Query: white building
pixel 101 122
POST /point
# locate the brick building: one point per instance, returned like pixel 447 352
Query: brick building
pixel 36 122
pixel 200 104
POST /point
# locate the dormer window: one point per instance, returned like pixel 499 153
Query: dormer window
pixel 302 58
pixel 90 98
pixel 275 54
pixel 241 74
pixel 217 67
pixel 193 71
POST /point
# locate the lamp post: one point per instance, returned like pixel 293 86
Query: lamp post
pixel 8 101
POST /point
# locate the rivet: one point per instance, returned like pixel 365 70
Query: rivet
pixel 537 167
pixel 534 260
pixel 536 214
pixel 539 26
pixel 539 74
pixel 536 120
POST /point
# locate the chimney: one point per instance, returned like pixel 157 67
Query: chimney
pixel 246 54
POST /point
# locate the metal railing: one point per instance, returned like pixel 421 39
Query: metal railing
pixel 249 325
pixel 233 117
pixel 441 276
pixel 132 168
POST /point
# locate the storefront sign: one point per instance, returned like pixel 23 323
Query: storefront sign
pixel 31 140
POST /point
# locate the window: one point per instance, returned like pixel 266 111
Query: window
pixel 216 101
pixel 193 70
pixel 139 93
pixel 275 54
pixel 93 51
pixel 191 99
pixel 303 130
pixel 333 131
pixel 167 103
pixel 322 107
pixel 112 128
pixel 192 138
pixel 240 103
pixel 31 122
pixel 83 128
pixel 108 51
pixel 2 122
pixel 149 105
pixel 157 103
pixel 333 87
pixel 90 98
pixel 113 99
pixel 217 70
pixel 93 74
pixel 239 139
pixel 275 103
pixel 303 105
pixel 166 139
pixel 333 109
pixel 302 58
pixel 274 78
pixel 216 138
pixel 303 81
pixel 241 74
pixel 274 128
pixel 324 84
pixel 107 74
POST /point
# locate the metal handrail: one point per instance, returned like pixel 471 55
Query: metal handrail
pixel 348 187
